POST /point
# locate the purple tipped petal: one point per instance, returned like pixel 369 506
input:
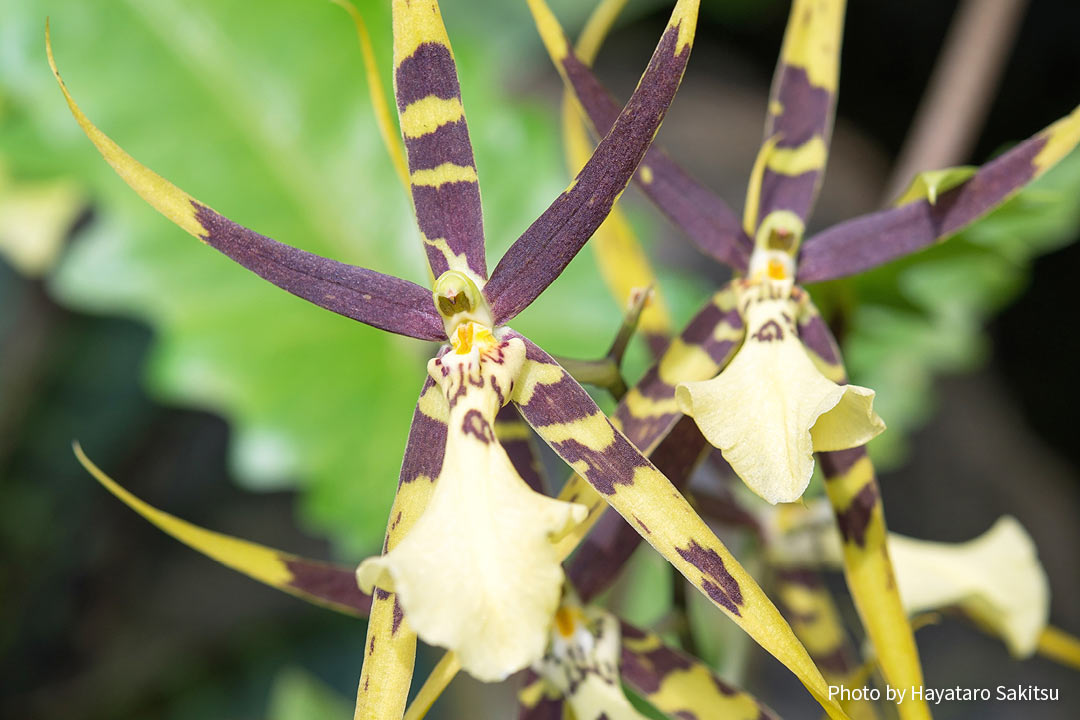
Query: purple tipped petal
pixel 871 240
pixel 550 243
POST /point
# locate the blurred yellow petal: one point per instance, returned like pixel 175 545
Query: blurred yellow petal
pixel 996 579
pixel 771 408
pixel 583 664
pixel 478 573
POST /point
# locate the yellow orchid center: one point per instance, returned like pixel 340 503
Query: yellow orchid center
pixel 478 573
pixel 582 664
pixel 771 408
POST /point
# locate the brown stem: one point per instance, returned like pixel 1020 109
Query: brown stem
pixel 953 108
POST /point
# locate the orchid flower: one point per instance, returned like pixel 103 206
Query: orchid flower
pixel 996 579
pixel 670 680
pixel 489 536
pixel 782 336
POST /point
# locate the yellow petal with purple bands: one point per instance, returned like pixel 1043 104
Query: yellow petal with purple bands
pixel 442 170
pixel 390 647
pixel 382 301
pixel 705 218
pixel 874 239
pixel 854 494
pixel 551 242
pixel 681 686
pixel 564 415
pixel 801 106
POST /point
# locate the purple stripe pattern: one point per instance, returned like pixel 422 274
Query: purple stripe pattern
pixel 382 301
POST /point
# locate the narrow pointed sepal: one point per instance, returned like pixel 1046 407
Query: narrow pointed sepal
pixel 703 215
pixel 871 240
pixel 801 106
pixel 479 573
pixel 771 407
pixel 551 242
pixel 996 579
pixel 379 300
pixel 442 171
pixel 321 583
pixel 564 415
pixel 681 686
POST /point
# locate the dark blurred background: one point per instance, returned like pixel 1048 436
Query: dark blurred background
pixel 102 616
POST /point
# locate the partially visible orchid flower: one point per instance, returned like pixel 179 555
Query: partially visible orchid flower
pixel 479 506
pixel 672 681
pixel 766 310
pixel 996 579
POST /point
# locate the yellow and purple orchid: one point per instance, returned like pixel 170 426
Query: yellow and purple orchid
pixel 478 505
pixel 758 368
pixel 468 542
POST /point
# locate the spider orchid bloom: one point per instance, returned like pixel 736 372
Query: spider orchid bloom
pixel 771 407
pixel 996 579
pixel 785 183
pixel 488 535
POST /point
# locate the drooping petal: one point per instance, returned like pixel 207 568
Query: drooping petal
pixel 379 300
pixel 771 407
pixel 569 421
pixel 390 647
pixel 879 237
pixel 853 491
pixel 682 686
pixel 702 214
pixel 622 261
pixel 442 171
pixel 551 242
pixel 607 549
pixel 801 106
pixel 583 664
pixel 479 573
pixel 996 579
pixel 321 583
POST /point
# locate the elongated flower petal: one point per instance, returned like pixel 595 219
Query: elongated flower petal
pixel 877 238
pixel 537 700
pixel 583 664
pixel 382 301
pixel 442 171
pixel 321 583
pixel 564 415
pixel 681 686
pixel 478 573
pixel 390 647
pixel 996 579
pixel 801 106
pixel 772 407
pixel 549 244
pixel 703 215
